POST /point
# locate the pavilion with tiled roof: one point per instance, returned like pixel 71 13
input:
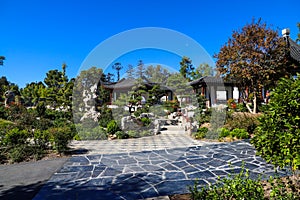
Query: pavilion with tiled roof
pixel 294 51
pixel 215 89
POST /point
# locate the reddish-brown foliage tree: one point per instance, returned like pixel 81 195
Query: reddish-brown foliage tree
pixel 254 57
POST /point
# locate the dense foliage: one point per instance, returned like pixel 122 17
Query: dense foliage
pixel 277 137
pixel 241 186
pixel 254 57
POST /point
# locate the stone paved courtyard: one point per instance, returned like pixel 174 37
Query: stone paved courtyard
pixel 125 169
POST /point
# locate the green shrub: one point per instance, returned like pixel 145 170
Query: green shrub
pixel 105 116
pixel 242 120
pixel 112 127
pixel 132 134
pixel 41 139
pixel 277 137
pixel 139 111
pixel 88 133
pixel 239 186
pixel 239 133
pixel 43 124
pixel 146 121
pixel 201 133
pixel 224 132
pixel 121 135
pixel 5 126
pixel 241 107
pixel 60 138
pixel 15 137
pixel 18 154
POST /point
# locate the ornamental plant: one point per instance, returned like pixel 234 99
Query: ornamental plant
pixel 277 137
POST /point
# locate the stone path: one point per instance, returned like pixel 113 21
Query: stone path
pixel 173 136
pixel 139 173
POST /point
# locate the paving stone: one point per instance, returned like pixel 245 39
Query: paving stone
pixel 176 187
pixel 110 172
pixel 217 163
pixel 156 169
pixel 247 165
pixel 174 176
pixel 127 161
pixel 148 193
pixel 79 159
pixel 201 175
pixel 198 161
pixel 71 168
pixel 219 172
pixel 223 156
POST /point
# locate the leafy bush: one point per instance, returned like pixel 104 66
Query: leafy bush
pixel 41 139
pixel 277 137
pixel 139 111
pixel 60 138
pixel 88 133
pixel 201 133
pixel 105 116
pixel 242 120
pixel 146 121
pixel 224 132
pixel 241 107
pixel 171 106
pixel 121 135
pixel 15 137
pixel 19 153
pixel 4 127
pixel 239 133
pixel 42 124
pixel 132 134
pixel 112 127
pixel 239 186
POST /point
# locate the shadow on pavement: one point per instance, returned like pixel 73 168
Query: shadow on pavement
pixel 24 192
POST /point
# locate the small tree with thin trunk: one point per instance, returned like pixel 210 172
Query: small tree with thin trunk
pixel 117 66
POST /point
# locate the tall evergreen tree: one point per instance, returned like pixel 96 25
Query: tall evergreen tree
pixel 130 72
pixel 186 68
pixel 140 69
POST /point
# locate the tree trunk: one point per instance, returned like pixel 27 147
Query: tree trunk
pixel 254 103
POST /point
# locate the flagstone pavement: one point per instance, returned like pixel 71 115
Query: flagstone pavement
pixel 148 167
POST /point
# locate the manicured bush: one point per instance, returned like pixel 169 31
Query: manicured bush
pixel 146 121
pixel 121 135
pixel 201 133
pixel 277 137
pixel 105 116
pixel 224 132
pixel 87 133
pixel 240 133
pixel 139 111
pixel 112 127
pixel 132 134
pixel 60 138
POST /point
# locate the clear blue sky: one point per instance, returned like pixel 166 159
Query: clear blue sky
pixel 39 35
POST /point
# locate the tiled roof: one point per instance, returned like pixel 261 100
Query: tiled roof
pixel 123 83
pixel 294 50
pixel 210 80
pixel 130 83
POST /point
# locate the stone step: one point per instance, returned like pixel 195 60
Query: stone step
pixel 173 128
